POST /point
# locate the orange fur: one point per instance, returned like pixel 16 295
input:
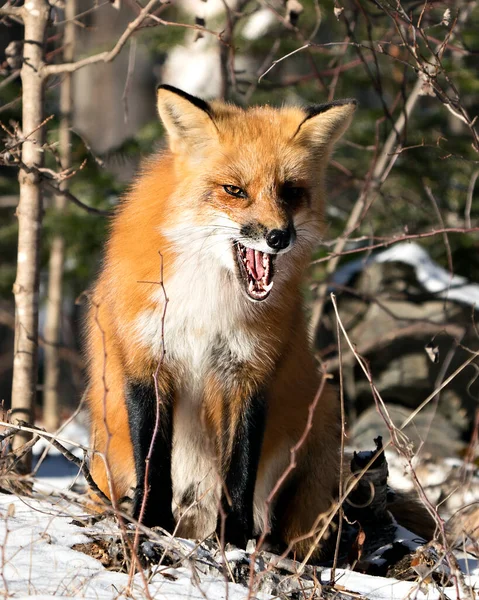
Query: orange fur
pixel 178 207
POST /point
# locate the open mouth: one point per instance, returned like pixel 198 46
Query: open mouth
pixel 256 271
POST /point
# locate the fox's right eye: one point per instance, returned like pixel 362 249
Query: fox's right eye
pixel 293 194
pixel 234 190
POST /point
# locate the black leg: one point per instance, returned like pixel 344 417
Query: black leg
pixel 142 409
pixel 240 477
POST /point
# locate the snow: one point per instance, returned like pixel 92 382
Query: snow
pixel 194 68
pixel 379 588
pixel 259 24
pixel 430 275
pixel 38 562
pixel 37 559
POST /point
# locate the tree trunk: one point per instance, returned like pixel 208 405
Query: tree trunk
pixel 29 213
pixel 51 395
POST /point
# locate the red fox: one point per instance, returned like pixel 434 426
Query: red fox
pixel 229 214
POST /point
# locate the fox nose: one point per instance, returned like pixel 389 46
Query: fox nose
pixel 279 239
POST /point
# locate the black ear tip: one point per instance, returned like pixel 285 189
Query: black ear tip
pixel 198 102
pixel 317 109
pixel 169 88
pixel 341 102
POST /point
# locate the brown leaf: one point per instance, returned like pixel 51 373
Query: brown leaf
pixel 357 547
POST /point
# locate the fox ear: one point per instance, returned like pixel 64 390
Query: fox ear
pixel 187 119
pixel 325 123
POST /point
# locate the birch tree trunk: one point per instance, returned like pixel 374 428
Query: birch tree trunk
pixel 29 213
pixel 53 329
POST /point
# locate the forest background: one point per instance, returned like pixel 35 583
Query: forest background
pixel 407 171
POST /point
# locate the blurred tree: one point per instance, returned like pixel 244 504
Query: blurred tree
pixel 29 212
pixel 53 322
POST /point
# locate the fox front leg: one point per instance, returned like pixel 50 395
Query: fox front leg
pixel 244 443
pixel 142 405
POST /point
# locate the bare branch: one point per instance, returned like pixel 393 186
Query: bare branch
pixel 44 434
pixel 49 179
pixel 81 464
pixel 388 241
pixel 470 192
pixel 106 56
pixel 69 196
pixel 433 200
pixel 11 11
pixel 275 62
pixel 199 28
pixel 10 78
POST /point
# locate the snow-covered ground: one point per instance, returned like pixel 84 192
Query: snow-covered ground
pixel 37 559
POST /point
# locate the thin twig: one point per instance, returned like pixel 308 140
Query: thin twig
pixel 277 61
pixel 81 464
pixel 396 239
pixel 341 464
pixel 156 429
pixel 470 193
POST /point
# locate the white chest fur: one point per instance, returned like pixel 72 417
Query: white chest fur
pixel 205 304
pixel 205 307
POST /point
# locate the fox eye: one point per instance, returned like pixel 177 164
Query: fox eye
pixel 234 190
pixel 293 194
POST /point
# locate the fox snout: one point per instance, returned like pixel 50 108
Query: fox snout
pixel 280 239
pixel 276 239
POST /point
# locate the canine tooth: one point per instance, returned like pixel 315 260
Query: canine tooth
pixel 268 287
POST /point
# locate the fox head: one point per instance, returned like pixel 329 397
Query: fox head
pixel 252 181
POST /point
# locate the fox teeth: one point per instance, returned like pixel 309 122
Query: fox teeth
pixel 249 259
pixel 268 287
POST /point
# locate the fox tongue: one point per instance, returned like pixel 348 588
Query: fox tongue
pixel 255 263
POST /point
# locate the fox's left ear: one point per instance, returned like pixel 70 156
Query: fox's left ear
pixel 325 123
pixel 188 120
